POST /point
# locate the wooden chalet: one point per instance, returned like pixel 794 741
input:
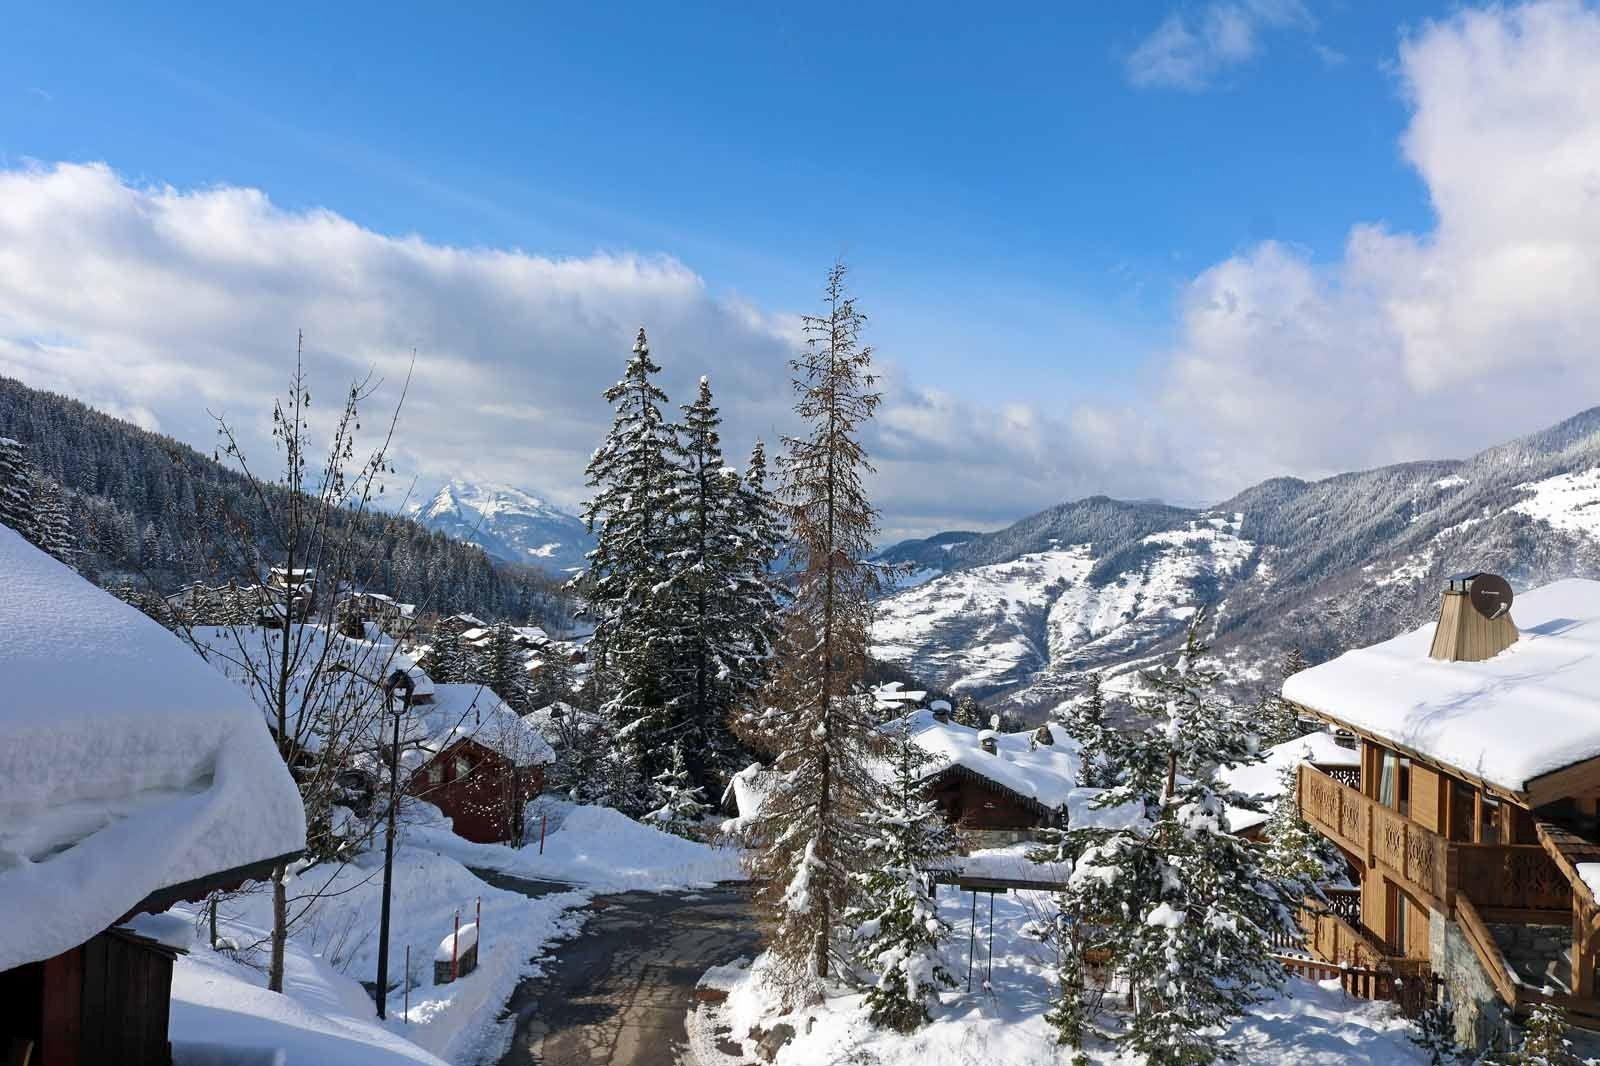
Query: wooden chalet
pixel 175 791
pixel 1472 825
pixel 477 761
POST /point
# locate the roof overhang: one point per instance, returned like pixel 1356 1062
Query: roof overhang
pixel 200 887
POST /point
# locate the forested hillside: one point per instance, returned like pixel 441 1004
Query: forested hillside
pixel 145 508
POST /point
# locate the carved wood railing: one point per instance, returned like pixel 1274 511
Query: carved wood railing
pixel 1520 877
pixel 1335 940
pixel 1345 903
pixel 1413 856
pixel 1349 776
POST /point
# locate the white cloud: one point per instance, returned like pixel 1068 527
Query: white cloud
pixel 1188 52
pixel 156 304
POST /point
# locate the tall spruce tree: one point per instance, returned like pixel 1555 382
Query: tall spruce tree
pixel 634 481
pixel 761 549
pixel 16 487
pixel 501 666
pixel 709 591
pixel 1085 720
pixel 1186 905
pixel 52 532
pixel 897 924
pixel 814 716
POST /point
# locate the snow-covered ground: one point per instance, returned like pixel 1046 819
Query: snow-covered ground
pixel 326 1017
pixel 598 848
pixel 1310 1025
pixel 1569 502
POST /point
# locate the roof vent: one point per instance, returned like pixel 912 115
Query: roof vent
pixel 1474 619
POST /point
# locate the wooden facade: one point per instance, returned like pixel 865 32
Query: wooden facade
pixel 481 791
pixel 105 1001
pixel 1425 838
pixel 972 801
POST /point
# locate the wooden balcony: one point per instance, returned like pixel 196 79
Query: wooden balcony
pixel 1507 882
pixel 1415 858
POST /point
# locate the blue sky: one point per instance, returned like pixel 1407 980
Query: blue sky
pixel 1027 196
pixel 997 183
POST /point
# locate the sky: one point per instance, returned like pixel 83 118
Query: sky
pixel 1148 250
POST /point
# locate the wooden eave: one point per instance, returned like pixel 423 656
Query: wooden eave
pixel 1567 849
pixel 1521 799
pixel 200 887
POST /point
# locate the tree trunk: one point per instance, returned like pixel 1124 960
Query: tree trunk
pixel 280 928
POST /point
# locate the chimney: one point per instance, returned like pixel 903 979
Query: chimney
pixel 941 710
pixel 1474 619
pixel 986 741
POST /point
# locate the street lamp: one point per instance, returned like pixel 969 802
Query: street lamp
pixel 403 682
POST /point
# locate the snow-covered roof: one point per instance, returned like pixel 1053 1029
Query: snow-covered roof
pixel 351 670
pixel 475 712
pixel 1044 773
pixel 1265 778
pixel 129 765
pixel 1531 710
pixel 545 719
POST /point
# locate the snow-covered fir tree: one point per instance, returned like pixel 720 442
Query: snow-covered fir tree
pixel 897 926
pixel 501 665
pixel 52 531
pixel 1277 720
pixel 710 593
pixel 445 660
pixel 1544 1042
pixel 1183 904
pixel 1295 851
pixel 814 717
pixel 762 542
pixel 634 481
pixel 683 803
pixel 968 712
pixel 1085 720
pixel 16 487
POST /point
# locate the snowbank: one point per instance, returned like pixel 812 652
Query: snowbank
pixel 1528 711
pixel 1312 1025
pixel 129 765
pixel 601 849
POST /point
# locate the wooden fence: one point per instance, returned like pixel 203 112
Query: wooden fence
pixel 1405 982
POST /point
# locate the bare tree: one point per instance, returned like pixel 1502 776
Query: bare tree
pixel 319 690
pixel 815 717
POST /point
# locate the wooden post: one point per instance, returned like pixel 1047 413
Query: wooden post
pixel 455 937
pixel 972 937
pixel 477 918
pixel 544 819
pixel 1582 953
pixel 405 1012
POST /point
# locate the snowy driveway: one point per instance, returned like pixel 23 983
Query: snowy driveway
pixel 620 991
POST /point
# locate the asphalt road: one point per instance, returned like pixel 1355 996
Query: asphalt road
pixel 618 993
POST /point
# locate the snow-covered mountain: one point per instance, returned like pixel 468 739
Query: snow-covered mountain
pixel 509 524
pixel 1104 584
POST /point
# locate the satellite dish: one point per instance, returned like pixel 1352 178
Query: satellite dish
pixel 1490 595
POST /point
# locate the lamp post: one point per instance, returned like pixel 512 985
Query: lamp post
pixel 402 681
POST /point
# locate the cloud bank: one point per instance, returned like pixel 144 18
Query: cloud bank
pixel 157 304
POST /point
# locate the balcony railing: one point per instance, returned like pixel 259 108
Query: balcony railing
pixel 1501 878
pixel 1408 854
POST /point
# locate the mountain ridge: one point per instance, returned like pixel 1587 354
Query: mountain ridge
pixel 509 523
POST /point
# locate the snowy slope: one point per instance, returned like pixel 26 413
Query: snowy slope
pixel 1019 614
pixel 509 524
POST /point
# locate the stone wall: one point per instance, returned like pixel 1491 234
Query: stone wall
pixel 1480 1016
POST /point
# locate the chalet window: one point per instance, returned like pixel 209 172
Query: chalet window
pixel 1389 779
pixel 435 774
pixel 463 766
pixel 1404 804
pixel 1397 918
pixel 1489 830
pixel 1463 809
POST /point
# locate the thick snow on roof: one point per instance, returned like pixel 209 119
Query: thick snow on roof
pixel 475 712
pixel 1046 773
pixel 129 765
pixel 1530 710
pixel 1265 778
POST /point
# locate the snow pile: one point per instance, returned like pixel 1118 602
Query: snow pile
pixel 459 1021
pixel 1265 779
pixel 129 766
pixel 1312 1025
pixel 457 943
pixel 603 850
pixel 1530 710
pixel 223 1013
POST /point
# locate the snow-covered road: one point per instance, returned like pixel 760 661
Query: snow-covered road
pixel 619 993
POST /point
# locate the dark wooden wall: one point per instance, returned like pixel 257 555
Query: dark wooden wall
pixel 484 804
